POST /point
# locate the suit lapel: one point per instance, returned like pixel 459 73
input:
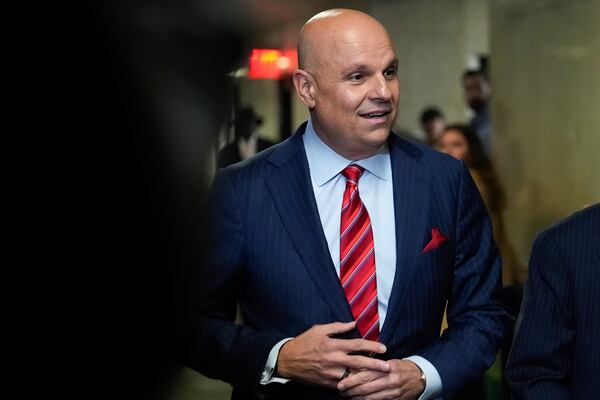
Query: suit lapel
pixel 411 205
pixel 291 189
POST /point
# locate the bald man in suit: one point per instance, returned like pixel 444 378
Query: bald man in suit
pixel 343 244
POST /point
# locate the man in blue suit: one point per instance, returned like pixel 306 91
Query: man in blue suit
pixel 555 354
pixel 343 245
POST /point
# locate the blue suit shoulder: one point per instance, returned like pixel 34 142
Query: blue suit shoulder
pixel 554 354
pixel 579 223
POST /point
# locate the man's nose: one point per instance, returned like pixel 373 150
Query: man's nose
pixel 380 89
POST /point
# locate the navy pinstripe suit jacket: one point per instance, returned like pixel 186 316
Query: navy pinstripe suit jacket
pixel 556 350
pixel 269 254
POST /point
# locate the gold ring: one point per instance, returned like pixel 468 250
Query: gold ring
pixel 345 375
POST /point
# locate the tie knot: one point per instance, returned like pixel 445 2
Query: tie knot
pixel 352 173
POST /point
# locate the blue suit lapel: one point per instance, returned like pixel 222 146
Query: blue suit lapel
pixel 411 205
pixel 291 189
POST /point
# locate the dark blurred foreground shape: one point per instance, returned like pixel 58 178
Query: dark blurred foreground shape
pixel 156 94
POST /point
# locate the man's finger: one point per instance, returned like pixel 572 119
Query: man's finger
pixel 360 346
pixel 358 378
pixel 377 385
pixel 335 328
pixel 358 363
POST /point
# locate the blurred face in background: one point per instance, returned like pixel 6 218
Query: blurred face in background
pixel 434 128
pixel 454 143
pixel 477 91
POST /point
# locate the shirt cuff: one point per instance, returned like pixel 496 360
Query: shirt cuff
pixel 433 387
pixel 267 374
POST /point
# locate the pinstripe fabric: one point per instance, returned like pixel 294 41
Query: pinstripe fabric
pixel 555 353
pixel 269 254
pixel 357 257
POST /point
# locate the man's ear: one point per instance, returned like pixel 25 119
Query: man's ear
pixel 305 87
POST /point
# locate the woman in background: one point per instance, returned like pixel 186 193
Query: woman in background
pixel 462 142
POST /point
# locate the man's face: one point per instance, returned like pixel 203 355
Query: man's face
pixel 476 91
pixel 356 92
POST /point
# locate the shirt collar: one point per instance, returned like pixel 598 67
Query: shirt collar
pixel 325 163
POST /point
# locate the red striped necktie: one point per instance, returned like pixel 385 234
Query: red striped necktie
pixel 357 257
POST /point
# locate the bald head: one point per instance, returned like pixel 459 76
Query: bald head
pixel 348 80
pixel 322 32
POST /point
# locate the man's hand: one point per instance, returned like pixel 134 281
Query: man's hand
pixel 314 357
pixel 402 382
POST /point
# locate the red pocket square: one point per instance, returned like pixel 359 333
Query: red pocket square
pixel 437 238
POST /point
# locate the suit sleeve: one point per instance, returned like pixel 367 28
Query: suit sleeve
pixel 215 344
pixel 541 356
pixel 477 322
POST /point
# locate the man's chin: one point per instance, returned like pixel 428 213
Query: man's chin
pixel 377 138
pixel 381 133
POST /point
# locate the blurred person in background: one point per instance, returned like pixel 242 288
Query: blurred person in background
pixel 461 142
pixel 341 292
pixel 247 141
pixel 433 124
pixel 477 93
pixel 556 354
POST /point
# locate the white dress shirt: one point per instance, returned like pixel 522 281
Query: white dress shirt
pixel 376 192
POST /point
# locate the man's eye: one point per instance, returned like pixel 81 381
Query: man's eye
pixel 356 77
pixel 390 73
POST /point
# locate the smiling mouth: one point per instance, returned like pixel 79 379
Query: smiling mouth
pixel 375 114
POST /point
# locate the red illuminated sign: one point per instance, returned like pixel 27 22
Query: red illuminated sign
pixel 271 63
